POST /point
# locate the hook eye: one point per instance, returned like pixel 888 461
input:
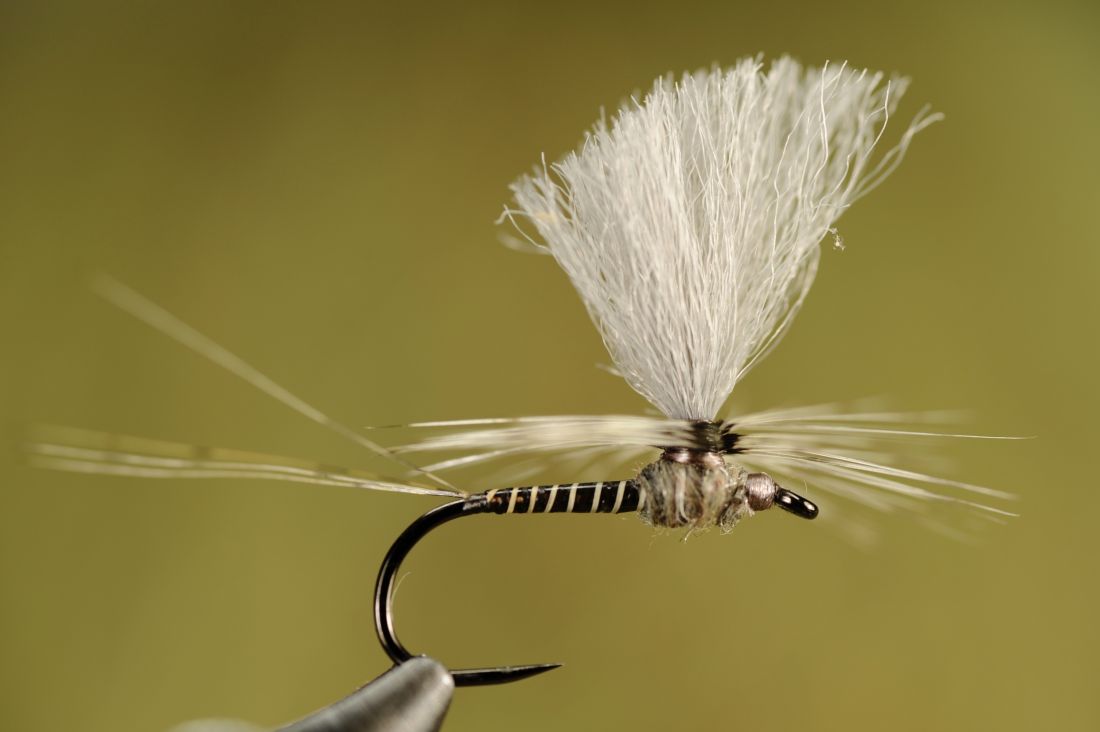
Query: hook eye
pixel 793 503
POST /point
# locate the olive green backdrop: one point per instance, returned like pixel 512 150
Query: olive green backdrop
pixel 314 185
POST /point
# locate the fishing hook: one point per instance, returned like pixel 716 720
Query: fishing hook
pixel 387 580
pixel 603 497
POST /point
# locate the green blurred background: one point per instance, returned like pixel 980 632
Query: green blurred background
pixel 314 185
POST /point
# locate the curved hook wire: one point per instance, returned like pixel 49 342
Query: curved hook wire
pixel 387 580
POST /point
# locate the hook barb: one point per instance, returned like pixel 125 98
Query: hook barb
pixel 387 580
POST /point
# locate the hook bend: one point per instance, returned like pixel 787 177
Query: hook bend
pixel 387 580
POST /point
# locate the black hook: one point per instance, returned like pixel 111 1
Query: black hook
pixel 793 503
pixel 387 579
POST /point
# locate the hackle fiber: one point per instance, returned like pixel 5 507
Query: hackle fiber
pixel 690 223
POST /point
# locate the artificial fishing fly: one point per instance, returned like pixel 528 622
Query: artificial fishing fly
pixel 690 225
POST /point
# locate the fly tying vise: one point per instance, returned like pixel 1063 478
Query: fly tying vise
pixel 690 225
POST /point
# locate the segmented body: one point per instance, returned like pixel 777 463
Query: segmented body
pixel 684 488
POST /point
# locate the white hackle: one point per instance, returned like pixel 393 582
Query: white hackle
pixel 690 222
pixel 864 455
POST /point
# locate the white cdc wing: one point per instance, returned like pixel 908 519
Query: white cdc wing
pixel 864 457
pixel 690 222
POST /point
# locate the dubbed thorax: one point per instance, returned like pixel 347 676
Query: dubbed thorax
pixel 688 488
pixel 698 489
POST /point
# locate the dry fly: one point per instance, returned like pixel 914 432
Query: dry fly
pixel 690 224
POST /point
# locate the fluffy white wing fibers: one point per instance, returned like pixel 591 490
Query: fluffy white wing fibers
pixel 690 222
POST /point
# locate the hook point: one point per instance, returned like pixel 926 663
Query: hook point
pixel 501 675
